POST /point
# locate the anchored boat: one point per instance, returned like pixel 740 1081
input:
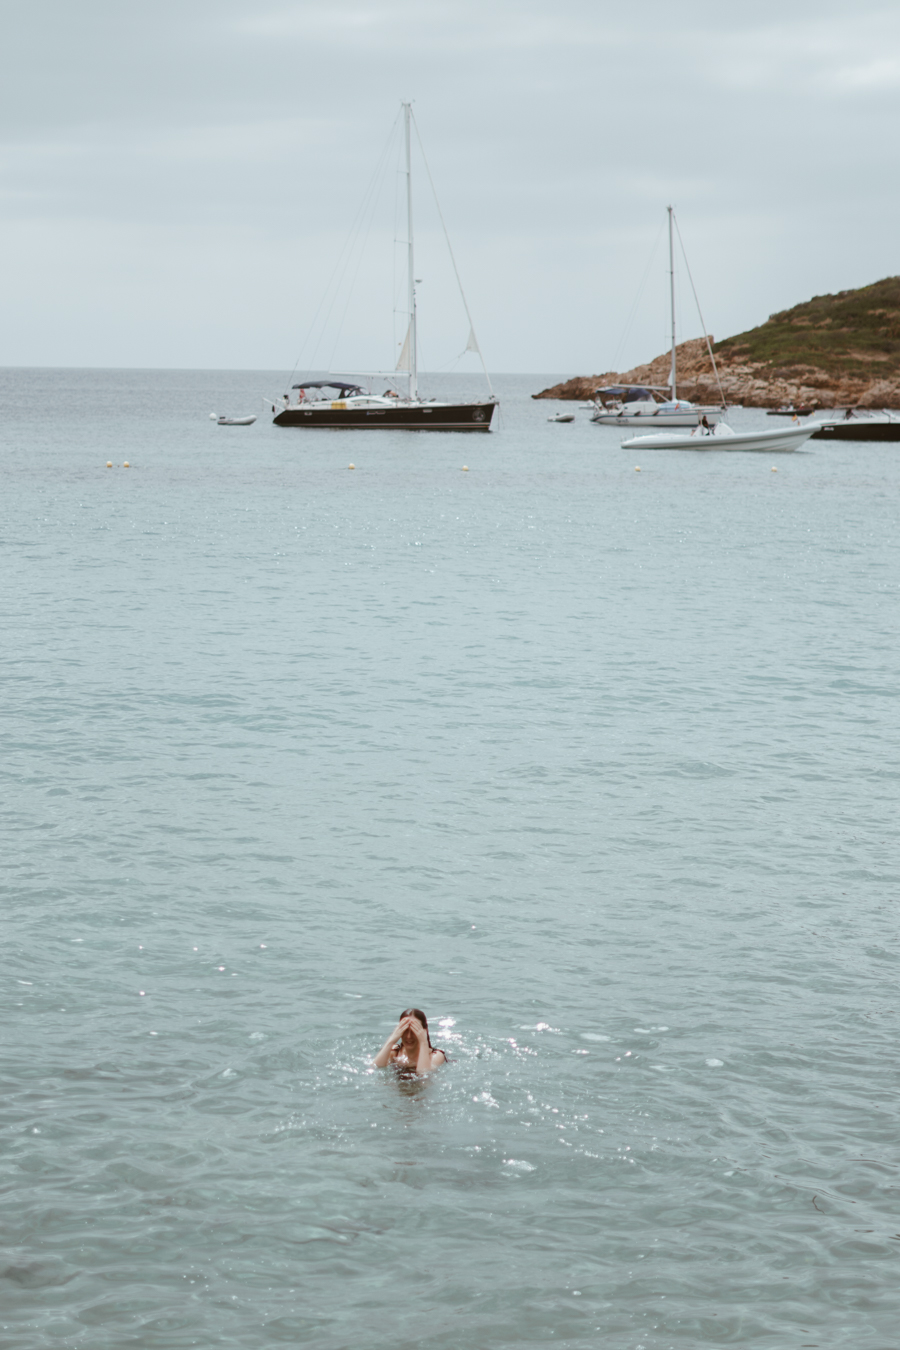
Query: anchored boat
pixel 722 437
pixel 633 405
pixel 346 404
pixel 351 406
pixel 855 425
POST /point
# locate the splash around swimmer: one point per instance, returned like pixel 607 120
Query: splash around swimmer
pixel 409 1045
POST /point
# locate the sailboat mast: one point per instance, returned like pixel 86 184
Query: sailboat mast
pixel 672 302
pixel 411 337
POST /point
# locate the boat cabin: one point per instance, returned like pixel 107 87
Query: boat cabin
pixel 616 395
pixel 311 390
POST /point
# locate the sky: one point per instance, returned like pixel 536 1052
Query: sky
pixel 178 180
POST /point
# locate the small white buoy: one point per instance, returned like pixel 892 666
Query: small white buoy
pixel 109 463
pixel 637 468
pixel 126 465
pixel 774 470
pixel 465 468
pixel 351 466
pixel 214 418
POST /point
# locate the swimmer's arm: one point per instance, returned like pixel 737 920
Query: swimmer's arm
pixel 425 1060
pixel 386 1053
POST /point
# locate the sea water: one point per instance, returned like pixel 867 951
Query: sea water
pixel 598 767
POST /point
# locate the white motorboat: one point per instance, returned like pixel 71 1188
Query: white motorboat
pixel 562 417
pixel 721 437
pixel 340 403
pixel 632 405
pixel 232 421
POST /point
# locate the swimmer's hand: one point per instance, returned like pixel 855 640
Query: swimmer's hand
pixel 423 1049
pixel 424 1054
pixel 383 1058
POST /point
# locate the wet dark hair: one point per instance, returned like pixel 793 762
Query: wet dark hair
pixel 417 1012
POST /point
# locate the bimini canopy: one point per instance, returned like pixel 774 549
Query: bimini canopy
pixel 631 393
pixel 330 384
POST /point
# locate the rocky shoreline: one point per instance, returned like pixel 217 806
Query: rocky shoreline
pixel 751 383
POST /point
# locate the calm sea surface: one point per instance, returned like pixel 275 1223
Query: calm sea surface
pixel 597 767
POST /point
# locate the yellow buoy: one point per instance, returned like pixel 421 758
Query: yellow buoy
pixel 637 468
pixel 465 468
pixel 126 465
pixel 351 466
pixel 774 470
pixel 109 463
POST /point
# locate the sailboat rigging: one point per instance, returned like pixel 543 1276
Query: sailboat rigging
pixel 631 405
pixel 344 403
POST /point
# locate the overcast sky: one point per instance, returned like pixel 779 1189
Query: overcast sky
pixel 178 179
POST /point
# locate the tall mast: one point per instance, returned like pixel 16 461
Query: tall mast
pixel 671 300
pixel 411 336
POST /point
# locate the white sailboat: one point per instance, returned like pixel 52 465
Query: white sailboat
pixel 345 403
pixel 711 433
pixel 633 405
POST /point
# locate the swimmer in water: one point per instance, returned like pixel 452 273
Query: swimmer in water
pixel 409 1045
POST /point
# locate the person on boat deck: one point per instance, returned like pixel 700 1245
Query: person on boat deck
pixel 704 422
pixel 409 1045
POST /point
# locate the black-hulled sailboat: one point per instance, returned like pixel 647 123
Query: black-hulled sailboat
pixel 346 404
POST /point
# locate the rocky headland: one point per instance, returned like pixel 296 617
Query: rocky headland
pixel 832 351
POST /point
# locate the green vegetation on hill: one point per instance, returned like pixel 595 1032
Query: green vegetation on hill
pixel 851 333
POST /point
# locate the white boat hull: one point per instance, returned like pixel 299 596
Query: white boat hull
pixel 689 417
pixel 723 438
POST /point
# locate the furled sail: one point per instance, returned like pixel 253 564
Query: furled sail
pixel 404 362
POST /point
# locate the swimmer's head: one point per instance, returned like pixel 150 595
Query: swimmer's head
pixel 408 1035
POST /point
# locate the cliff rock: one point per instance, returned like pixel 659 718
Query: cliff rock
pixel 831 351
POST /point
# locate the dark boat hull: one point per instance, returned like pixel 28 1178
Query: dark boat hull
pixel 440 417
pixel 859 431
